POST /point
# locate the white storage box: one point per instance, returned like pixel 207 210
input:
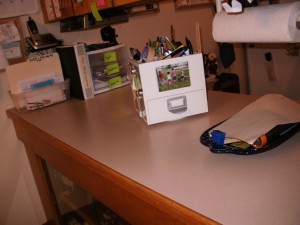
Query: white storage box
pixel 169 89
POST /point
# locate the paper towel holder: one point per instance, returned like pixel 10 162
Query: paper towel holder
pixel 219 9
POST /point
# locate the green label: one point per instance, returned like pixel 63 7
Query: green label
pixel 112 69
pixel 109 57
pixel 115 82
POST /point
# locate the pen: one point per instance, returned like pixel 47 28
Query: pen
pixel 189 45
pixel 273 135
pixel 170 43
pixel 176 52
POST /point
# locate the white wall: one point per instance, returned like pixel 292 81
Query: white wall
pixel 20 203
pixel 139 29
pixel 286 68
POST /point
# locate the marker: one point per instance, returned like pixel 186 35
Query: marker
pixel 145 52
pixel 189 45
pixel 273 135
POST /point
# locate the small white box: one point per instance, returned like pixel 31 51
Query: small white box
pixel 169 89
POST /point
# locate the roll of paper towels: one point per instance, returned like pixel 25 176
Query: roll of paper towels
pixel 263 24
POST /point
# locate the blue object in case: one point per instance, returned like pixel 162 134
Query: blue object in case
pixel 217 137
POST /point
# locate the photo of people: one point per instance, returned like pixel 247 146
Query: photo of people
pixel 173 76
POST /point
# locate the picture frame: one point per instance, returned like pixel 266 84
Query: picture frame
pixel 183 4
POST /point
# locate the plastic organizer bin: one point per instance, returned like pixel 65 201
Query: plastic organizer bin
pixel 42 97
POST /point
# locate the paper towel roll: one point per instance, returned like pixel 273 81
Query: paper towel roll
pixel 264 24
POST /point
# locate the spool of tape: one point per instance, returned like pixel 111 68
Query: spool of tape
pixel 151 54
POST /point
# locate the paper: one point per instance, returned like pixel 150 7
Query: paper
pixel 9 33
pixel 33 68
pixel 100 3
pixel 112 69
pixel 95 11
pixel 49 9
pixel 259 117
pixel 12 50
pixel 56 5
pixel 115 82
pixel 109 57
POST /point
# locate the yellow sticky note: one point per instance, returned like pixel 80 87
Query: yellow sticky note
pixel 95 11
pixel 115 82
pixel 112 68
pixel 109 57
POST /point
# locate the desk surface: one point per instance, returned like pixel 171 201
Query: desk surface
pixel 169 159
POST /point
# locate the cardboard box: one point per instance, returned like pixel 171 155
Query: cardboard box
pixel 169 89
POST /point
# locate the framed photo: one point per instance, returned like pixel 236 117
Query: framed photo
pixel 173 76
pixel 182 4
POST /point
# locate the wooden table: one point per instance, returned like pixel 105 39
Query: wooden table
pixel 160 174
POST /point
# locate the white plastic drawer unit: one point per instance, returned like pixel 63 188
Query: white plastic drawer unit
pixel 169 89
pixel 108 68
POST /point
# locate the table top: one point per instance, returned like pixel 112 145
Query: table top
pixel 169 158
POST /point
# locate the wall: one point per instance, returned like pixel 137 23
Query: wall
pixel 20 203
pixel 286 70
pixel 139 29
